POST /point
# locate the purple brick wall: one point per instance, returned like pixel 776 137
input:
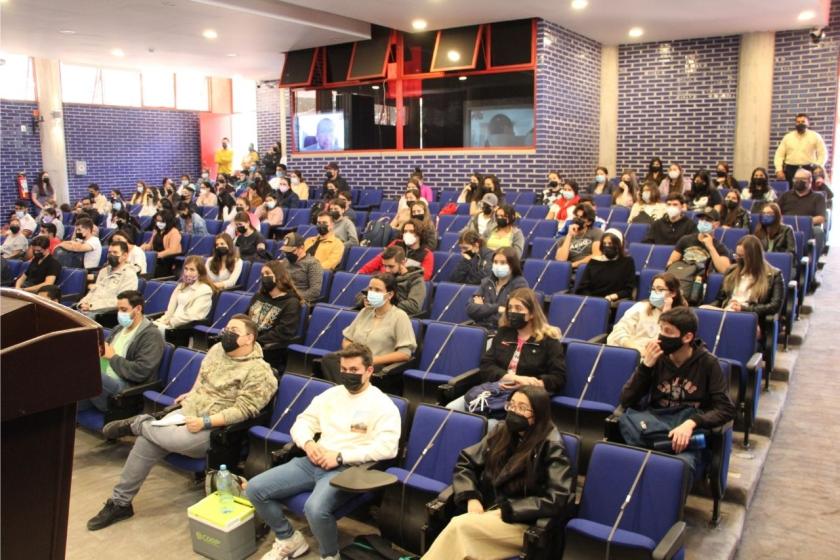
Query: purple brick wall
pixel 805 81
pixel 122 145
pixel 677 100
pixel 18 150
pixel 567 121
pixel 268 116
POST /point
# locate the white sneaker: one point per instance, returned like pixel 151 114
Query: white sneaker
pixel 284 549
pixel 335 556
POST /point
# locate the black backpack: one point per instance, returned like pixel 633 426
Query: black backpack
pixel 378 233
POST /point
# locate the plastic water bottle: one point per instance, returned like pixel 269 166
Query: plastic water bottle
pixel 224 485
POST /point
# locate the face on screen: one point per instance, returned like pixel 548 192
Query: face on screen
pixel 326 134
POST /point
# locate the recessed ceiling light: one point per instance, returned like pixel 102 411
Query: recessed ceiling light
pixel 67 32
pixel 374 88
pixel 210 34
pixel 453 55
pixel 419 24
pixel 232 55
pixel 806 15
pixel 636 32
pixel 118 52
pixel 579 4
pixel 462 78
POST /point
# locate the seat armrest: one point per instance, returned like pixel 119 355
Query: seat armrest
pixel 164 278
pixel 458 385
pixel 285 454
pixel 611 430
pixel 436 509
pixel 599 339
pixel 754 362
pixel 671 542
pixel 396 368
pixel 539 535
pixel 153 316
pixel 224 433
pixel 138 390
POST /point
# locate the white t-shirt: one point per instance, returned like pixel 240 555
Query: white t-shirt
pixel 137 259
pixel 741 294
pixel 93 257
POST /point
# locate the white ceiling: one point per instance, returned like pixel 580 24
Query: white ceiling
pixel 168 33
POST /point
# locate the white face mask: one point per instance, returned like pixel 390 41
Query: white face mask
pixel 295 181
pixel 409 238
pixel 673 175
pixel 673 212
pixel 646 197
pixel 271 205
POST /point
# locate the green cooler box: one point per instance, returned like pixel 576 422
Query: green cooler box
pixel 222 536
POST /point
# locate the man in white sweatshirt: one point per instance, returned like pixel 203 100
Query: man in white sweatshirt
pixel 358 423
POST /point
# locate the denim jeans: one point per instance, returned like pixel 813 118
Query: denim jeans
pixel 266 490
pixel 110 386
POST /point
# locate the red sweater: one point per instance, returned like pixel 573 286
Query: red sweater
pixel 422 255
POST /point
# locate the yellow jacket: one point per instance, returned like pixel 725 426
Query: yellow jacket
pixel 224 159
pixel 329 251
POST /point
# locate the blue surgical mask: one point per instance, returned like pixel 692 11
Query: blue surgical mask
pixel 375 299
pixel 501 270
pixel 124 319
pixel 20 213
pixel 600 178
pixel 657 299
pixel 767 220
pixel 704 227
pixel 568 195
pixel 117 206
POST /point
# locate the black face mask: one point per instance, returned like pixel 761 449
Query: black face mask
pixel 335 216
pixel 553 184
pixel 267 283
pixel 351 381
pixel 800 186
pixel 670 344
pixel 760 182
pixel 420 217
pixel 721 173
pixel 37 256
pixel 291 257
pixel 473 185
pixel 516 423
pixel 221 251
pixel 113 261
pixel 655 168
pixel 731 204
pixel 579 223
pixel 323 229
pixel 502 222
pixel 229 340
pixel 328 175
pixel 800 128
pixel 516 320
pixel 610 251
pixel 79 235
pixel 329 194
pixel 15 229
pixel 486 209
pixel 700 186
pixel 241 230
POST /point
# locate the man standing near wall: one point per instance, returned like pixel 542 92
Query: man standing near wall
pixel 224 158
pixel 800 148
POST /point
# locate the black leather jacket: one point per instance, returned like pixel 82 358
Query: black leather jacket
pixel 771 302
pixel 551 494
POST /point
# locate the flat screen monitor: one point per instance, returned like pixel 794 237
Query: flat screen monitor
pixel 499 126
pixel 321 132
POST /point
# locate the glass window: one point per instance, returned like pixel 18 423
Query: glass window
pixel 297 69
pixel 511 42
pixel 371 56
pixel 418 49
pixel 158 89
pixel 456 49
pixel 338 62
pixel 17 77
pixel 348 118
pixel 192 92
pixel 486 111
pixel 81 84
pixel 121 87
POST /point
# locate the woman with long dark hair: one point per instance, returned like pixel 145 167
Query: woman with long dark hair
pixel 166 240
pixel 275 309
pixel 43 191
pixel 517 474
pixel 224 266
pixel 774 235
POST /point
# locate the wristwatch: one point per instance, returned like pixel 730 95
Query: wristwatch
pixel 339 459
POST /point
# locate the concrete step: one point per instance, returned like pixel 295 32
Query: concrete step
pixel 799 331
pixel 785 364
pixel 706 543
pixel 770 406
pixel 745 468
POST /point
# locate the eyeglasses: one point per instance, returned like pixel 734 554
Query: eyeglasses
pixel 522 409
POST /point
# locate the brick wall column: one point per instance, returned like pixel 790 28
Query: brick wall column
pixel 53 146
pixel 608 136
pixel 755 102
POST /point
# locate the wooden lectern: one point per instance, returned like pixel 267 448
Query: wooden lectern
pixel 49 360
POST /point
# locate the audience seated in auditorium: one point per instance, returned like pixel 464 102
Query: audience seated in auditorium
pixel 425 190
pixel 601 184
pixel 16 244
pixel 420 212
pixel 476 259
pixel 411 242
pixel 699 254
pixel 723 178
pixel 275 309
pixel 640 324
pixel 52 293
pixel 253 195
pixel 334 177
pixel 733 215
pixel 612 274
pixel 517 474
pixel 648 207
pixel 166 241
pixel 821 185
pixel 655 172
pixel 132 352
pixel 50 231
pixel 121 219
pixel 43 268
pixel 752 284
pixel 115 277
pixel 206 195
pixel 325 247
pixel 759 189
pixel 505 233
pixel 348 198
pixel 50 215
pixel 84 251
pixel 673 225
pixel 190 221
pixel 675 182
pixel 564 206
pixel 84 208
pixel 552 191
pixel 412 195
pixel 583 240
pixel 272 214
pixel 774 235
pixel 410 277
pixel 248 240
pixel 234 384
pixel 483 222
pixel 585 200
pixel 682 382
pixel 701 194
pixel 224 267
pixel 803 201
pixel 286 197
pixel 624 194
pixel 337 415
pixel 28 225
pixel 98 200
pixel 490 299
pixel 343 227
pixel 190 301
pixel 299 186
pixel 304 269
pixel 116 199
pixel 472 193
pixel 136 256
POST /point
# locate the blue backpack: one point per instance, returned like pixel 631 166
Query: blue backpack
pixel 378 233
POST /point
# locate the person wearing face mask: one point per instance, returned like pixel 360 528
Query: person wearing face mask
pixel 248 241
pixel 299 186
pixel 733 215
pixel 325 247
pixel 43 268
pixel 411 278
pixel 50 215
pixel 640 324
pixel 655 171
pixel 15 244
pixel 702 194
pixel 476 259
pixel 131 354
pixel 224 267
pixel 224 158
pixel 506 234
pixel 471 193
pixel 146 198
pixel 723 178
pixel 484 221
pixel 343 227
pixel 272 213
pixel 44 191
pixel 332 174
pixel 673 225
pixel 518 473
pixel 759 189
pixel 648 207
pixel 275 309
pixel 207 197
pixel 166 241
pixel 675 182
pixel 304 269
pixel 191 301
pixel 803 201
pixel 774 235
pixel 682 381
pixel 357 423
pixel 191 221
pixel 84 250
pixel 28 225
pixel 136 256
pixel 564 206
pixel 601 184
pixel 286 197
pixel 50 231
pixel 420 212
pixel 624 194
pixel 491 297
pixel 702 248
pixel 612 274
pixel 112 279
pixel 412 188
pixel 405 204
pixel 552 191
pixel 582 241
pixel 235 385
pixel 821 185
pixel 98 200
pixel 800 148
